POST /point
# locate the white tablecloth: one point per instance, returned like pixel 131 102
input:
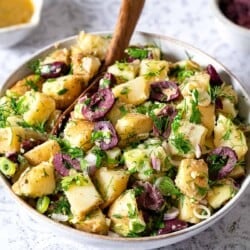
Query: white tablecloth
pixel 190 21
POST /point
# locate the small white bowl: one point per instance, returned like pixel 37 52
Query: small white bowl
pixel 235 34
pixel 12 35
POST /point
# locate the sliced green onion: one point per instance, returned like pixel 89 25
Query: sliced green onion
pixel 42 204
pixel 7 167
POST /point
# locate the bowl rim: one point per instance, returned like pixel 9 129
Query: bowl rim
pixel 34 20
pixel 227 22
pixel 70 230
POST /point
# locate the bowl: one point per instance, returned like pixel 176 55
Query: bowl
pixel 234 34
pixel 173 50
pixel 11 35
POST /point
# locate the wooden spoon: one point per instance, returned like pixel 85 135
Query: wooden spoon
pixel 130 11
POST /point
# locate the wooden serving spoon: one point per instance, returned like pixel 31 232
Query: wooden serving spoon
pixel 130 11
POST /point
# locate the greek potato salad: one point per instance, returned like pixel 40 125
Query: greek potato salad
pixel 156 148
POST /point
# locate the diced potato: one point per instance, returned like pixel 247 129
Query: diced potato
pixel 125 216
pixel 186 210
pixel 208 117
pixel 42 152
pixel 14 120
pixel 93 44
pixel 124 71
pixel 64 90
pixel 134 92
pixel 228 134
pixel 84 66
pixel 188 141
pixel 192 178
pixel 52 119
pixel 110 183
pixel 187 64
pixel 59 55
pixel 199 82
pixel 133 127
pixel 228 92
pixel 155 52
pixel 94 222
pixel 78 133
pixel 222 192
pixel 36 181
pixel 31 82
pixel 154 70
pixel 11 138
pixel 237 172
pixel 39 107
pixel 228 108
pixel 82 195
pixel 118 110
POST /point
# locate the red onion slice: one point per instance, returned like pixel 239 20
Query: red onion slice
pixel 164 91
pixel 171 214
pixel 172 226
pixel 215 79
pixel 100 103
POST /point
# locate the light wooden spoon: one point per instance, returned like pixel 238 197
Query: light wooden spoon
pixel 130 11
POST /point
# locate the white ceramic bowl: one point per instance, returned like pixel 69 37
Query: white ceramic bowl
pixel 235 34
pixel 12 35
pixel 173 50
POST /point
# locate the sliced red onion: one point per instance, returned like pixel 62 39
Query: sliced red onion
pixel 164 91
pixel 169 113
pixel 215 79
pixel 12 156
pixel 227 154
pixel 63 163
pixel 150 198
pixel 171 214
pixel 100 103
pixel 108 81
pixel 53 70
pixel 156 163
pixel 106 127
pixel 172 226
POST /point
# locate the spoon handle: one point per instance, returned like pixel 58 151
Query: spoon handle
pixel 129 14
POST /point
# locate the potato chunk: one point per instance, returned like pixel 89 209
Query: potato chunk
pixel 64 90
pixel 38 107
pixel 110 183
pixel 134 92
pixel 129 128
pixel 59 55
pixel 192 178
pixel 11 138
pixel 36 181
pixel 222 192
pixel 31 82
pixel 125 216
pixel 91 44
pixel 42 152
pixel 94 222
pixel 228 134
pixel 124 71
pixel 81 194
pixel 78 133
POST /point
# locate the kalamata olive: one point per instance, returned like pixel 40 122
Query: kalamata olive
pixel 163 121
pixel 99 104
pixel 218 103
pixel 215 79
pixel 108 81
pixel 221 162
pixel 27 145
pixel 12 156
pixel 105 135
pixel 150 197
pixel 172 226
pixel 164 91
pixel 53 70
pixel 63 163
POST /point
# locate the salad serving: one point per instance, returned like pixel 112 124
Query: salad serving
pixel 155 147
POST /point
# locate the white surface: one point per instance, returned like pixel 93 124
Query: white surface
pixel 190 21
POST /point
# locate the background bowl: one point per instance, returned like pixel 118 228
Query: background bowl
pixel 172 50
pixel 237 35
pixel 12 35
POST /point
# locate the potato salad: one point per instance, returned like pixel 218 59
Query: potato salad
pixel 157 147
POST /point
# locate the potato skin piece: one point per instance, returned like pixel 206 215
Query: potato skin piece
pixel 42 152
pixel 78 133
pixel 36 181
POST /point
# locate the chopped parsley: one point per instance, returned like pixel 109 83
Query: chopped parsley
pixel 101 156
pixel 196 114
pixel 137 53
pixel 76 179
pixel 125 90
pixel 34 65
pixel 181 143
pixel 215 163
pixel 123 110
pixel 62 91
pixel 61 206
pixel 166 186
pixel 32 84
